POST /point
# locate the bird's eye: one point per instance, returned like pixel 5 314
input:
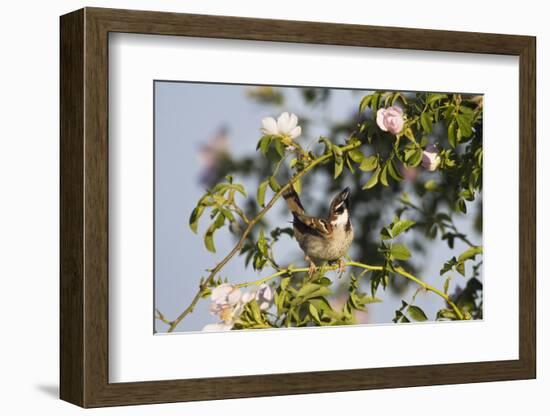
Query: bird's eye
pixel 340 209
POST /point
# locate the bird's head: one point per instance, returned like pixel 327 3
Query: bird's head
pixel 339 208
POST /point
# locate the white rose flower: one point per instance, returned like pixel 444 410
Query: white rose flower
pixel 248 296
pixel 285 126
pixel 264 297
pixel 224 296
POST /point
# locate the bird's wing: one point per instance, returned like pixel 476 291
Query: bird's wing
pixel 293 201
pixel 311 225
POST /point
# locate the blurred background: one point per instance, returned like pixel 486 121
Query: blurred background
pixel 205 131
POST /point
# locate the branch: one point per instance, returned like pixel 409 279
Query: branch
pixel 398 270
pixel 250 225
pixel 290 271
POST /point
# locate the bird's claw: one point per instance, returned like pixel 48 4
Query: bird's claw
pixel 312 268
pixel 341 266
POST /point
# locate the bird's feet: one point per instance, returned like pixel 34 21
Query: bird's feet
pixel 312 267
pixel 341 266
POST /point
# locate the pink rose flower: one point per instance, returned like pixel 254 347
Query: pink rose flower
pixel 225 296
pixel 390 119
pixel 430 158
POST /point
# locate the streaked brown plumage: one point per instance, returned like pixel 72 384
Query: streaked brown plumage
pixel 319 238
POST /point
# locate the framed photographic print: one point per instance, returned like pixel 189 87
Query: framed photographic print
pixel 255 207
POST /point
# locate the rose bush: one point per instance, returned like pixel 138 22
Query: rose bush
pixel 432 140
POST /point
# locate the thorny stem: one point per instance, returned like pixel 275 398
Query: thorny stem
pixel 250 225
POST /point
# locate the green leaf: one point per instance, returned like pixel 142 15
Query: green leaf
pixel 195 216
pixel 464 125
pixel 384 175
pixel 338 166
pixel 446 285
pixel 416 313
pixel 400 252
pixel 446 314
pixel 400 317
pixel 400 226
pixel 393 170
pixel 263 144
pixel 297 185
pixel 369 163
pixel 373 180
pixel 227 214
pixel 386 234
pixel 322 306
pixel 467 112
pixel 237 187
pixel 364 299
pixel 260 195
pixel 256 312
pixel 375 101
pixel 413 156
pixel 356 155
pixel 451 134
pixel 460 268
pixel 209 239
pixel 448 266
pixel 349 164
pixel 311 290
pixel 409 134
pixel 470 253
pixel 426 121
pixel 314 314
pixel 435 97
pixel 273 184
pixel 461 205
pixel 280 148
pixel 365 101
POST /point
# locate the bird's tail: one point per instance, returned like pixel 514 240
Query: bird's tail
pixel 293 201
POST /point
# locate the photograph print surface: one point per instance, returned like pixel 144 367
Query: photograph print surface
pixel 298 207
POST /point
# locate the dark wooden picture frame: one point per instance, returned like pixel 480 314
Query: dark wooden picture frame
pixel 84 207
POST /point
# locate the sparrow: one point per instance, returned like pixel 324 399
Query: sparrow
pixel 322 239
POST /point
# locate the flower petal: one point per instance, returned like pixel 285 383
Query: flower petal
pixel 293 121
pixel 295 132
pixel 220 293
pixel 380 114
pixel 283 123
pixel 395 110
pixel 248 296
pixel 234 296
pixel 269 126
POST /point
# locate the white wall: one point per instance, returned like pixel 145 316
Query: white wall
pixel 29 205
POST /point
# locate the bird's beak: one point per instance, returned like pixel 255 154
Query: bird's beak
pixel 344 196
pixel 345 193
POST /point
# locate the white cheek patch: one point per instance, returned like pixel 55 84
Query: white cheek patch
pixel 341 219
